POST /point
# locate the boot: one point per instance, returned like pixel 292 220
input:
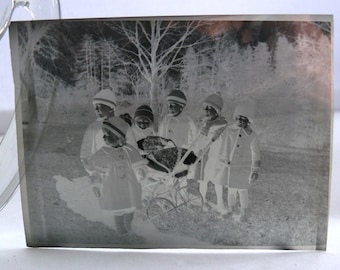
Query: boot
pixel 128 221
pixel 120 226
pixel 244 215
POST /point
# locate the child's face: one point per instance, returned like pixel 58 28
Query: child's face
pixel 112 139
pixel 174 109
pixel 103 111
pixel 142 122
pixel 209 113
pixel 241 121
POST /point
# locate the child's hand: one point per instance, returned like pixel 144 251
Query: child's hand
pixel 96 191
pixel 140 174
pixel 254 176
pixel 205 130
pixel 84 161
pixel 95 178
pixel 96 183
pixel 218 133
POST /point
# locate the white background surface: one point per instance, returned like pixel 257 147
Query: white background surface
pixel 13 251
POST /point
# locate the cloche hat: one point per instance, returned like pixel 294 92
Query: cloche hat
pixel 144 111
pixel 177 96
pixel 106 97
pixel 214 101
pixel 116 125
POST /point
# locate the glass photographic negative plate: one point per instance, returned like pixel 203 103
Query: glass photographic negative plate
pixel 181 132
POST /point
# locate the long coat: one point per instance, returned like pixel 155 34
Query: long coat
pixel 243 157
pixel 92 140
pixel 181 129
pixel 121 191
pixel 213 161
pixel 216 157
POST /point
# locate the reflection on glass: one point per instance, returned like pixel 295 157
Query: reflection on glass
pixel 7 8
pixel 36 10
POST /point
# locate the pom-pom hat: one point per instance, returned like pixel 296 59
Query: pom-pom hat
pixel 214 101
pixel 144 111
pixel 177 96
pixel 116 125
pixel 106 97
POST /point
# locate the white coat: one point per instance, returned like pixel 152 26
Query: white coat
pixel 181 129
pixel 92 140
pixel 213 160
pixel 243 157
pixel 120 189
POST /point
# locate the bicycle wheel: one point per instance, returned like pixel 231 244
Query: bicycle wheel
pixel 189 200
pixel 162 213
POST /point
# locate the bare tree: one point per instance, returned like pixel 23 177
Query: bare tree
pixel 155 47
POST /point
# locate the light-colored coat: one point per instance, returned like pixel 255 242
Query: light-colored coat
pixel 181 129
pixel 92 140
pixel 243 153
pixel 213 161
pixel 216 158
pixel 121 191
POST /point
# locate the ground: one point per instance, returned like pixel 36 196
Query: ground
pixel 288 203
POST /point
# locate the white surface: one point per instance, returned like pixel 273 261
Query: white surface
pixel 8 165
pixel 6 85
pixel 13 251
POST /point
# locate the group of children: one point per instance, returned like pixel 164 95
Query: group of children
pixel 113 152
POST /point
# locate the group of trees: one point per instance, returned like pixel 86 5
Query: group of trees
pixel 141 61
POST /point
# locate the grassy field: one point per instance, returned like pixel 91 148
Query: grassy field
pixel 288 203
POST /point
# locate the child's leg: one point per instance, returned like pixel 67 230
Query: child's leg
pixel 244 200
pixel 120 224
pixel 128 220
pixel 232 193
pixel 203 187
pixel 219 196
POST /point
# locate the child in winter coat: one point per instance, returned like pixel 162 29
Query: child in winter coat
pixel 141 128
pixel 104 103
pixel 117 170
pixel 176 126
pixel 212 138
pixel 243 161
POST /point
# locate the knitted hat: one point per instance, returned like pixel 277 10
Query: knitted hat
pixel 105 97
pixel 246 110
pixel 177 96
pixel 116 125
pixel 144 111
pixel 214 101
